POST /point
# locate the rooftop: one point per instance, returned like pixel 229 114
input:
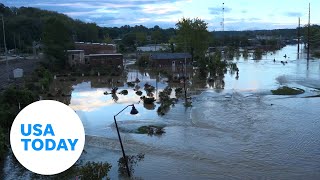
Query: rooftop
pixel 92 43
pixel 90 55
pixel 170 55
pixel 74 50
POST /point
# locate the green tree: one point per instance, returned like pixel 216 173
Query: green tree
pixel 143 61
pixel 10 101
pixel 314 36
pixel 257 54
pixel 3 145
pixel 129 41
pixel 192 36
pixel 156 36
pixel 141 38
pixel 57 39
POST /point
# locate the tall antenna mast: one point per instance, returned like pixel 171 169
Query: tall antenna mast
pixel 223 17
pixel 222 24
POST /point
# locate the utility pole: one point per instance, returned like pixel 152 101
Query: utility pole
pixel 184 72
pixel 5 48
pixel 184 81
pixel 299 38
pixel 308 50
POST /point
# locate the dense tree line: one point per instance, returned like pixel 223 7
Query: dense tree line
pixel 26 24
pixel 314 36
pixel 11 101
pixel 241 38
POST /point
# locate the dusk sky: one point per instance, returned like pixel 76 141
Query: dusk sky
pixel 238 15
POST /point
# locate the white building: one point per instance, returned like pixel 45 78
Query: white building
pixel 153 47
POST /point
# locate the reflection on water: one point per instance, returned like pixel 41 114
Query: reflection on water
pixel 235 130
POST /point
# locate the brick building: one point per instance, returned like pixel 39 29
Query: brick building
pixel 170 59
pixel 75 57
pixel 105 60
pixel 96 48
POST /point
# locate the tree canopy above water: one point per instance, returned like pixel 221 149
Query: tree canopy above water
pixel 192 36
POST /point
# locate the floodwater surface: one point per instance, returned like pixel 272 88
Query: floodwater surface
pixel 239 132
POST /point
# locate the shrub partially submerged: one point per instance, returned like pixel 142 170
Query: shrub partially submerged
pixel 285 90
pixel 132 161
pixel 151 130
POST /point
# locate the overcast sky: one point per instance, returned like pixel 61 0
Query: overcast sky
pixel 238 14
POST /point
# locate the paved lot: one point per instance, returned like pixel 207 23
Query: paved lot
pixel 28 65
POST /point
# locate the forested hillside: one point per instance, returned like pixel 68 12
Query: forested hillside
pixel 26 24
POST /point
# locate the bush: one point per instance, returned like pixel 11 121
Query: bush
pixel 3 145
pixel 132 161
pixel 90 170
pixel 124 92
pixel 10 100
pixel 285 90
pixel 93 170
pixel 257 54
pixel 44 77
pixel 143 61
pixel 151 130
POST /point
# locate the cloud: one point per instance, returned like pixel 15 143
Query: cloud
pixel 164 13
pixel 93 99
pixel 165 9
pixel 253 19
pixel 95 13
pixel 218 10
pixel 229 19
pixel 293 14
pixel 114 12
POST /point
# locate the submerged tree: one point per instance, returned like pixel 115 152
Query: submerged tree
pixel 312 38
pixel 131 160
pixel 257 54
pixel 245 54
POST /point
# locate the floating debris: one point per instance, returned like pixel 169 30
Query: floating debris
pixel 151 130
pixel 139 93
pixel 147 100
pixel 149 88
pixel 131 84
pixel 124 92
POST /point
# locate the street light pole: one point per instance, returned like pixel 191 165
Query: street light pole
pixel 133 112
pixel 184 80
pixel 5 47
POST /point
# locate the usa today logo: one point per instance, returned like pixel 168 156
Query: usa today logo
pixel 47 137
